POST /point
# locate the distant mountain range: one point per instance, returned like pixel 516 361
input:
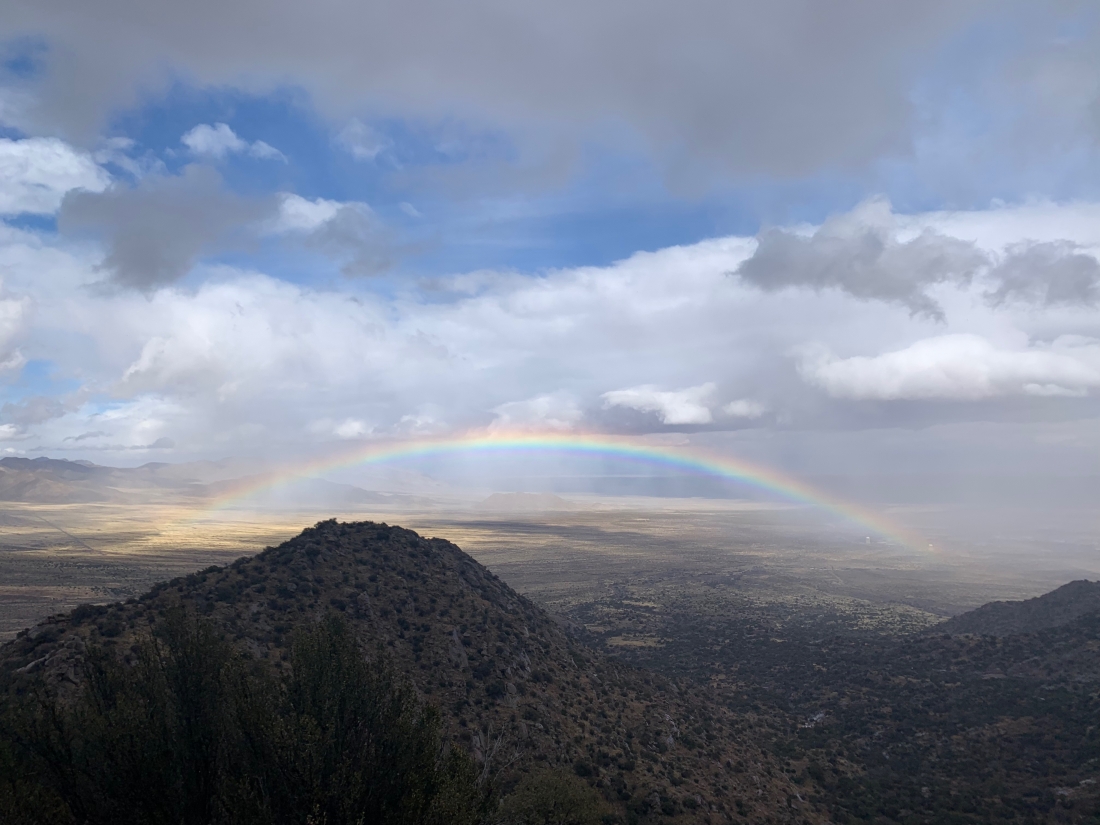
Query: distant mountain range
pixel 57 481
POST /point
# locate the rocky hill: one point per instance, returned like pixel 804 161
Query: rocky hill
pixel 513 686
pixel 1059 607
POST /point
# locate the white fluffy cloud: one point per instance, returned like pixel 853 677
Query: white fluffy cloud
pixel 959 367
pixel 744 408
pixel 35 174
pixel 238 362
pixel 552 411
pixel 686 406
pixel 348 428
pixel 218 140
pixel 298 214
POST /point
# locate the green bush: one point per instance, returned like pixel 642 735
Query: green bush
pixel 196 734
pixel 553 798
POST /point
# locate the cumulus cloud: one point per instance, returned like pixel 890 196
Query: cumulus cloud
pixel 13 321
pixel 298 214
pixel 358 239
pixel 686 406
pixel 248 364
pixel 958 367
pixel 349 232
pixel 32 410
pixel 1050 273
pixel 744 408
pixel 861 253
pixel 35 174
pixel 348 428
pixel 551 411
pixel 218 141
pixel 156 230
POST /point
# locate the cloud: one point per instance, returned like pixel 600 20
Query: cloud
pixel 958 367
pixel 245 364
pixel 348 428
pixel 744 408
pixel 13 321
pixel 349 232
pixel 785 87
pixel 33 410
pixel 686 406
pixel 90 435
pixel 35 174
pixel 162 443
pixel 860 253
pixel 551 411
pixel 155 231
pixel 1051 273
pixel 219 140
pixel 358 239
pixel 298 214
pixel 363 141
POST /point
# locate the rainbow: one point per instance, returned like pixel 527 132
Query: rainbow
pixel 679 458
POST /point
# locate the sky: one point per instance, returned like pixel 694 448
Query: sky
pixel 841 239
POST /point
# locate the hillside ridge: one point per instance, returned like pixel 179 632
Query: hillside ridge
pixel 514 688
pixel 1006 618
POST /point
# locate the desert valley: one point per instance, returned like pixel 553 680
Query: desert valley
pixel 691 659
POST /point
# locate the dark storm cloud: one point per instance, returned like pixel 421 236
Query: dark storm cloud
pixel 783 87
pixel 155 231
pixel 860 254
pixel 1056 272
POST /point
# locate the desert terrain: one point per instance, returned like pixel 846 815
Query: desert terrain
pixel 596 560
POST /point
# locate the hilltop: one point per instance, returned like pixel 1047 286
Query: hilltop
pixel 1059 607
pixel 514 687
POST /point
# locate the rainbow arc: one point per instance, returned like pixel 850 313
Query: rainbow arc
pixel 679 458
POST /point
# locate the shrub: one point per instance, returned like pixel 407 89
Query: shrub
pixel 196 734
pixel 553 798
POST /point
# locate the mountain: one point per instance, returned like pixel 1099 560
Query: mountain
pixel 50 481
pixel 514 688
pixel 57 481
pixel 922 727
pixel 1059 607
